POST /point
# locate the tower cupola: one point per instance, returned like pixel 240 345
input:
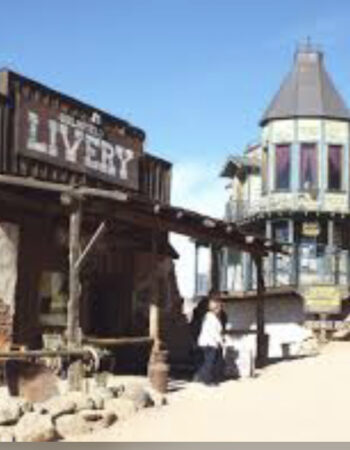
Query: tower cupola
pixel 307 91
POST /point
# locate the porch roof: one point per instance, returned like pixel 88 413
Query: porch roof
pixel 132 207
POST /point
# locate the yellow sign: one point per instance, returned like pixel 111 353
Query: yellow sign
pixel 323 299
pixel 311 229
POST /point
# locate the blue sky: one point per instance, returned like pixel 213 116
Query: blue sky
pixel 196 75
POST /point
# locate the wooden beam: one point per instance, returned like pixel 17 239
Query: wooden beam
pixel 261 343
pixel 89 245
pixel 117 342
pixel 196 260
pixel 154 300
pixel 166 224
pixel 170 218
pixel 29 354
pixel 73 324
pixel 214 268
pixel 33 183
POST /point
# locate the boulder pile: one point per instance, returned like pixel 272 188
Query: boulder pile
pixel 72 413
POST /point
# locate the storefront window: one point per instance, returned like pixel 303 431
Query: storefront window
pixel 282 262
pixel 334 167
pixel 308 167
pixel 314 260
pixel 281 231
pixel 282 167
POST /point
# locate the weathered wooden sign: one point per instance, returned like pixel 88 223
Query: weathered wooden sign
pixel 311 229
pixel 53 136
pixel 323 299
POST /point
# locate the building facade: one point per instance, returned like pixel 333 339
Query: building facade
pixel 84 230
pixel 292 186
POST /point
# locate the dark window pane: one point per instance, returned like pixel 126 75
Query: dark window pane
pixel 308 166
pixel 281 231
pixel 282 166
pixel 334 167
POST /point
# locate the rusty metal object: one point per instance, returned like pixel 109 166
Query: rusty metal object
pixel 32 354
pixel 32 381
pixel 158 370
pixel 116 342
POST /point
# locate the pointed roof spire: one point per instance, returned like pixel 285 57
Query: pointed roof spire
pixel 307 91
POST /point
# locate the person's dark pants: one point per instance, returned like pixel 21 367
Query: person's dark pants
pixel 211 370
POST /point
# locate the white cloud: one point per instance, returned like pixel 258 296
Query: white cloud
pixel 196 186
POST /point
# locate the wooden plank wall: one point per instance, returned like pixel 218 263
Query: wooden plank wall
pixel 155 178
pixel 6 137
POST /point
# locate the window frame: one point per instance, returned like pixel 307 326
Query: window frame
pixel 316 147
pixel 278 188
pixel 341 168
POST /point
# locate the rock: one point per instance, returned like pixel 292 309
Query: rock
pixel 72 425
pixel 138 395
pixel 12 408
pixel 101 418
pixel 24 405
pixel 104 392
pixel 117 391
pixel 35 427
pixel 56 406
pixel 156 397
pixel 97 400
pixel 123 408
pixel 10 412
pixel 37 383
pixel 81 401
pixel 85 421
pixel 7 434
pixel 99 395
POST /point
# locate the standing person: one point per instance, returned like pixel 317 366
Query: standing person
pixel 211 342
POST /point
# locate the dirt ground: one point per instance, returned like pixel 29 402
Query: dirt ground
pixel 300 400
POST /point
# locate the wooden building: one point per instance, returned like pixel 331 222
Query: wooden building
pixel 292 185
pixel 84 222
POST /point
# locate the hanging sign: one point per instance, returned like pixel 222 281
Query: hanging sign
pixel 323 299
pixel 55 137
pixel 311 229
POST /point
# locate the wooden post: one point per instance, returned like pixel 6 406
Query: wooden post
pixel 75 372
pixel 158 368
pixel 331 253
pixel 323 329
pixel 73 324
pixel 154 303
pixel 261 337
pixel 214 268
pixel 196 249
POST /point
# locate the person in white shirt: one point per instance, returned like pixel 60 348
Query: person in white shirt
pixel 210 341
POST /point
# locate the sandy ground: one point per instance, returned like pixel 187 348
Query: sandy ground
pixel 303 400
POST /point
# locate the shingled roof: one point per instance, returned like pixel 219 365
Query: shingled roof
pixel 307 91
